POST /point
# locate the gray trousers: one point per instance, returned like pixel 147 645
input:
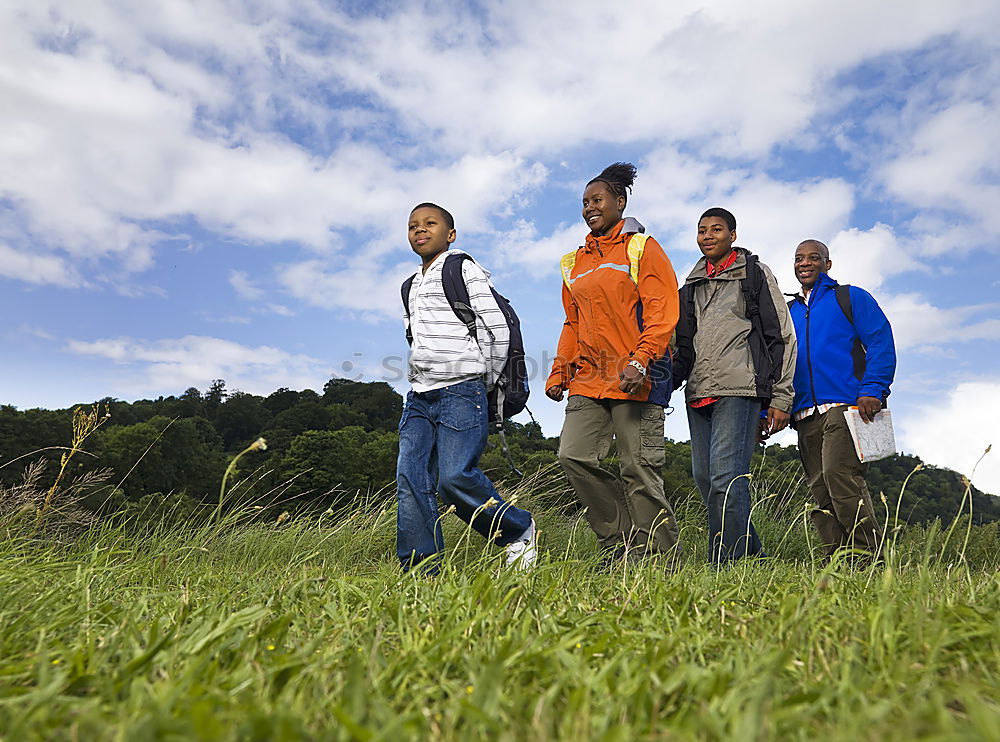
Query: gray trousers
pixel 844 514
pixel 631 510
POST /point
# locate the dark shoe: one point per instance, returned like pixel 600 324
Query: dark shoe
pixel 611 557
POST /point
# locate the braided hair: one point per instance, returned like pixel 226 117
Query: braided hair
pixel 618 177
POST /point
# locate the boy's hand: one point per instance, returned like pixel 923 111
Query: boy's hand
pixel 868 407
pixel 630 379
pixel 555 392
pixel 776 420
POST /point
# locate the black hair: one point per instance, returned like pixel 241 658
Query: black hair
pixel 448 218
pixel 618 177
pixel 823 249
pixel 726 216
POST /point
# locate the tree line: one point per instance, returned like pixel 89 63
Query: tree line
pixel 331 449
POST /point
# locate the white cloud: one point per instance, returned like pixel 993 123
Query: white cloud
pixel 116 120
pixel 919 325
pixel 867 257
pixel 37 269
pixel 244 287
pixel 672 190
pixel 742 76
pixel 949 166
pixel 373 294
pixel 954 432
pixel 524 247
pixel 99 145
pixel 179 363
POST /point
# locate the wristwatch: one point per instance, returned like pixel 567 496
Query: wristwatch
pixel 637 366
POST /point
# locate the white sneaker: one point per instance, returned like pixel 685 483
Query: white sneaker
pixel 521 553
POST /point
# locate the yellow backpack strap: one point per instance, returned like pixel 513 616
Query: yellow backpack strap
pixel 566 263
pixel 636 246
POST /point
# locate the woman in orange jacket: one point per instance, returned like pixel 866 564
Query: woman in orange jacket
pixel 620 296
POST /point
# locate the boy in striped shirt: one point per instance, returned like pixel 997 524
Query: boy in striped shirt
pixel 444 426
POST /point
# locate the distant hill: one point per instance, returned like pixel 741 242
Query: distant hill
pixel 325 448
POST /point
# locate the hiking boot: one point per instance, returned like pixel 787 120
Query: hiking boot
pixel 611 557
pixel 522 552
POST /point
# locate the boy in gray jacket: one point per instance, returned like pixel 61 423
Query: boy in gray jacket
pixel 736 351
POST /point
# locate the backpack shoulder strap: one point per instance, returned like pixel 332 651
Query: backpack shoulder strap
pixel 404 291
pixel 751 285
pixel 455 290
pixel 843 294
pixel 636 247
pixel 566 265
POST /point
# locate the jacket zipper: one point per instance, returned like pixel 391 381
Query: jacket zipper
pixel 809 364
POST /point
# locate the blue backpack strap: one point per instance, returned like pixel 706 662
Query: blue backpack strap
pixel 404 291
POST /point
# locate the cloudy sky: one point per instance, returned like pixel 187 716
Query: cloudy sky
pixel 202 189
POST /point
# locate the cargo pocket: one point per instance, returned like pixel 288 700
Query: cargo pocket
pixel 651 436
pixel 575 402
pixel 462 409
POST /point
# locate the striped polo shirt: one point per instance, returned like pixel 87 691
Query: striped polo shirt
pixel 443 353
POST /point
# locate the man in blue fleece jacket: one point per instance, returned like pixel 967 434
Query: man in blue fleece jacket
pixel 846 357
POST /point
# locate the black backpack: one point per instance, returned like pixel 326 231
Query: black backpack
pixel 510 393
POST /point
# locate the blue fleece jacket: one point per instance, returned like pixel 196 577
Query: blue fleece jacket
pixel 830 348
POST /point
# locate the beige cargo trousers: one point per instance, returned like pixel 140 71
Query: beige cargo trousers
pixel 630 511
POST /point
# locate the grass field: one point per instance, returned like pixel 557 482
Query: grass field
pixel 308 631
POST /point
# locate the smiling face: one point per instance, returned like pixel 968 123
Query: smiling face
pixel 602 209
pixel 811 259
pixel 715 239
pixel 429 233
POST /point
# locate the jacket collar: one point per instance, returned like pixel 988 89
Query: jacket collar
pixel 823 284
pixel 736 270
pixel 628 225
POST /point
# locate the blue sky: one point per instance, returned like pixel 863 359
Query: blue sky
pixel 192 190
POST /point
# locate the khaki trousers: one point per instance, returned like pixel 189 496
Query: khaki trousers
pixel 844 515
pixel 630 511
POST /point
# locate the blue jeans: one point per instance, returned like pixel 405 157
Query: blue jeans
pixel 723 435
pixel 442 434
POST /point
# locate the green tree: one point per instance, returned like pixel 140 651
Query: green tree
pixel 240 419
pixel 161 455
pixel 337 465
pixel 302 417
pixel 380 404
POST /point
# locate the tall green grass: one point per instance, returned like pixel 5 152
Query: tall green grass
pixel 307 630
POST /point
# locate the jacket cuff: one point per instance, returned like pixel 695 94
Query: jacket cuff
pixel 781 403
pixel 872 391
pixel 557 377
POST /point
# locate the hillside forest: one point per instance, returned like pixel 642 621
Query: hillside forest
pixel 336 449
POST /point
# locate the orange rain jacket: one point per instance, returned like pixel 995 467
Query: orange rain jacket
pixel 601 332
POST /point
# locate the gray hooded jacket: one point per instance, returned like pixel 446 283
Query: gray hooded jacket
pixel 721 351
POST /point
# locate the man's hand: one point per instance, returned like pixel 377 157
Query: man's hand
pixel 776 420
pixel 630 379
pixel 555 392
pixel 868 407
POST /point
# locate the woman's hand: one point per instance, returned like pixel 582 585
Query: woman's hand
pixel 630 379
pixel 555 392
